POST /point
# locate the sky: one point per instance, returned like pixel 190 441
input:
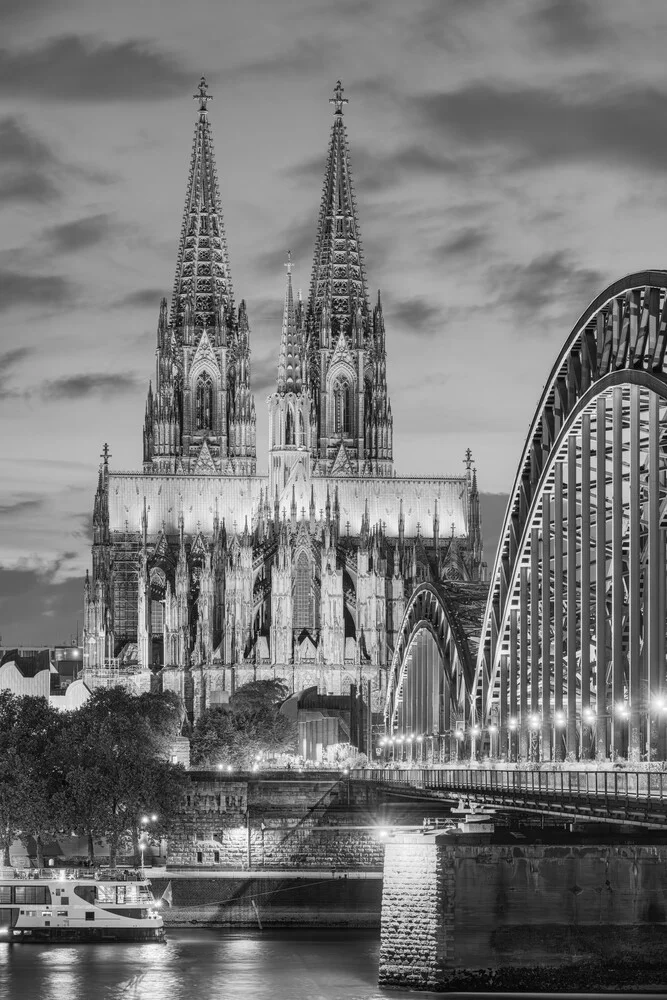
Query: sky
pixel 508 159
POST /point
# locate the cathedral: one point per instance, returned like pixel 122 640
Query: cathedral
pixel 207 573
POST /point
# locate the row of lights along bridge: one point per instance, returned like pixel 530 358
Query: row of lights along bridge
pixel 461 744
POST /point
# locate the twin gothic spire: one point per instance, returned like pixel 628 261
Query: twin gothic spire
pixel 201 416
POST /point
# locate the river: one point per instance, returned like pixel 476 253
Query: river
pixel 200 965
pixel 205 965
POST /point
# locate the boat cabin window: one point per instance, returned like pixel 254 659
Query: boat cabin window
pixel 5 893
pixel 90 914
pixel 87 892
pixel 31 894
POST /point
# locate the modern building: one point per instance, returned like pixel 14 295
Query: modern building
pixel 208 573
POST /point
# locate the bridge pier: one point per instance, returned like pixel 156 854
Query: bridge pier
pixel 459 913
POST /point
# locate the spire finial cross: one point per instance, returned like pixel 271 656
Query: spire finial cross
pixel 203 96
pixel 338 98
pixel 288 263
pixel 468 459
pixel 106 454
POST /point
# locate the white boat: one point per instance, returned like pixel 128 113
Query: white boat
pixel 68 905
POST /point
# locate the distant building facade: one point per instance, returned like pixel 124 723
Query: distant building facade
pixel 206 574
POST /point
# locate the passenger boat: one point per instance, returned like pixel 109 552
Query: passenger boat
pixel 68 905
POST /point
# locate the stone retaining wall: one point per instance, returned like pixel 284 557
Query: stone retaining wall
pixel 279 902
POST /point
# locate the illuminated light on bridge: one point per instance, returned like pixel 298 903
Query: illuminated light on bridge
pixel 573 638
pixel 565 656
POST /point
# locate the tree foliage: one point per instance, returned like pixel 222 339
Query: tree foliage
pixel 93 771
pixel 250 726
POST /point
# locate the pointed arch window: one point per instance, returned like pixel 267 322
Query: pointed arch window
pixel 303 608
pixel 342 403
pixel 204 402
pixel 289 427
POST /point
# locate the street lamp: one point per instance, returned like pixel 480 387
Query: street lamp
pixel 144 835
pixel 474 733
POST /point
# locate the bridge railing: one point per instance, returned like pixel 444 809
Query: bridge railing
pixel 608 785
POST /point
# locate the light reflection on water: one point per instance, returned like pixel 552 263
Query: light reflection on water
pixel 295 964
pixel 203 964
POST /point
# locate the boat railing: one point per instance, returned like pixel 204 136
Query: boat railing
pixel 98 874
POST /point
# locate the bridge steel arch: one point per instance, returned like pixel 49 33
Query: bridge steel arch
pixel 432 668
pixel 571 658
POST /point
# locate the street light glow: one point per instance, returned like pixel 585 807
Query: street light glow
pixel 559 718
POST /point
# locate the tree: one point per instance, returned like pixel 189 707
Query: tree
pixel 116 768
pixel 250 725
pixel 30 772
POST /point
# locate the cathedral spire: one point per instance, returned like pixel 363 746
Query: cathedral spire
pixel 289 364
pixel 338 280
pixel 202 270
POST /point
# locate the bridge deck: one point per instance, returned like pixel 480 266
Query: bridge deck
pixel 636 797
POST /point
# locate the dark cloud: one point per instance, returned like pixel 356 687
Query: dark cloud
pixel 299 237
pixel 26 169
pixel 22 147
pixel 143 298
pixel 9 359
pixel 74 387
pixel 551 284
pixel 569 24
pixel 30 186
pixel 74 68
pixel 597 120
pixel 264 375
pixel 22 591
pixel 22 290
pixel 465 243
pixel 84 527
pixel 301 59
pixel 417 314
pixel 20 506
pixel 68 237
pixel 376 170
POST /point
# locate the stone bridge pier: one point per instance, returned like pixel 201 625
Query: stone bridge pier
pixel 458 913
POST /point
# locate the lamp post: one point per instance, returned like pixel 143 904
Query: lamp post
pixel 474 733
pixel 512 725
pixel 560 722
pixel 144 835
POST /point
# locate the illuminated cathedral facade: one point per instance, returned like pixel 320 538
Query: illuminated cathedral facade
pixel 206 574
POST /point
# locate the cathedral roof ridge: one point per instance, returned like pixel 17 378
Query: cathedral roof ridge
pixel 203 275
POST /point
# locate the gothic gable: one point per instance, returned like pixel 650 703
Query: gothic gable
pixel 204 464
pixel 342 465
pixel 205 357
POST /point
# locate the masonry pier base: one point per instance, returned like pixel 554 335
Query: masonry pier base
pixel 464 914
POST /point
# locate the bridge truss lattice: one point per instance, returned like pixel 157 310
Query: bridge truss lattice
pixel 571 658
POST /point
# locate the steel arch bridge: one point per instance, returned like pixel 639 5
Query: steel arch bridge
pixel 429 690
pixel 571 656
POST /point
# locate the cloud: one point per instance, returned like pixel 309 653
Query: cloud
pixel 24 290
pixel 264 376
pixel 143 298
pixel 567 25
pixel 75 68
pixel 299 237
pixel 465 243
pixel 30 186
pixel 68 237
pixel 378 170
pixel 27 165
pixel 24 591
pixel 546 286
pixel 76 387
pixel 20 506
pixel 9 359
pixel 421 317
pixel 597 120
